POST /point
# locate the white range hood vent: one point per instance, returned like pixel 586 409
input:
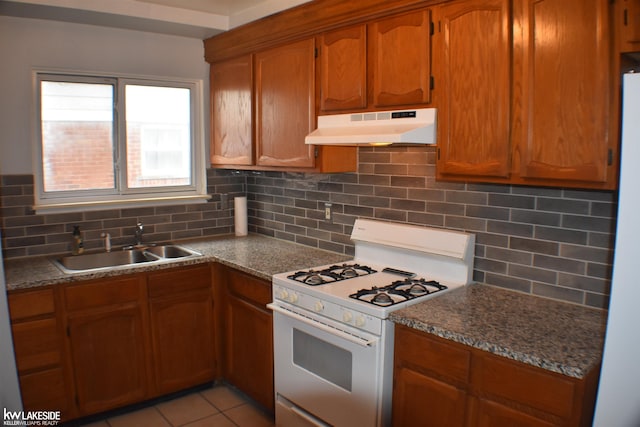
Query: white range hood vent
pixel 417 126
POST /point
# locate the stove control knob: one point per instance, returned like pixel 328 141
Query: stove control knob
pixel 318 306
pixel 293 298
pixel 283 294
pixel 347 316
pixel 360 321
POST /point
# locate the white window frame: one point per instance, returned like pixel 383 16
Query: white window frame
pixel 121 196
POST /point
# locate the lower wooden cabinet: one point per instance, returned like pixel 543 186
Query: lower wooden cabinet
pixel 489 413
pixel 182 328
pixel 91 346
pixel 444 404
pixel 248 336
pixel 106 341
pixel 438 382
pixel 38 345
pixel 96 345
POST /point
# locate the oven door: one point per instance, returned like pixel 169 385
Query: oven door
pixel 326 373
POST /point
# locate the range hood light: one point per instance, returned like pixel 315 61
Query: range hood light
pixel 376 128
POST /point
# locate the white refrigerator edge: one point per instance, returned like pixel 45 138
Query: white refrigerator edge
pixel 618 401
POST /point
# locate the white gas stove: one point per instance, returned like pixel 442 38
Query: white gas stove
pixel 331 336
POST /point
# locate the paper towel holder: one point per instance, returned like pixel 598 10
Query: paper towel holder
pixel 240 216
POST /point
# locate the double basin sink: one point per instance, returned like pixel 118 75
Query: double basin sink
pixel 123 258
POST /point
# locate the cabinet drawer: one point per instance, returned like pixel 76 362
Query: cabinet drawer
pixel 249 288
pixel 43 391
pixel 529 386
pixel 431 355
pixel 31 303
pixel 36 344
pixel 103 293
pixel 179 281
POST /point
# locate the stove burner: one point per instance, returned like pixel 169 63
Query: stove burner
pixel 314 278
pixel 382 298
pixel 398 291
pixel 417 289
pixel 331 274
pixel 347 271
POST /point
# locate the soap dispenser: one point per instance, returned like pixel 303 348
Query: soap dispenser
pixel 77 245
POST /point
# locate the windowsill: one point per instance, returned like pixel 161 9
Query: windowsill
pixel 119 204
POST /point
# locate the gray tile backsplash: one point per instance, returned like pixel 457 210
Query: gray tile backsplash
pixel 552 242
pixel 26 233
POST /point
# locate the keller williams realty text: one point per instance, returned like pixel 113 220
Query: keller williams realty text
pixel 31 418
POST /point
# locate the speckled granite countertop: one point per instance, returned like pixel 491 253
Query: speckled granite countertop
pixel 560 337
pixel 258 255
pixel 556 336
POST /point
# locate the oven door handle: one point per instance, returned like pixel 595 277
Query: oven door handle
pixel 361 341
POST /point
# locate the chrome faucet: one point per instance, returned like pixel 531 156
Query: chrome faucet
pixel 138 233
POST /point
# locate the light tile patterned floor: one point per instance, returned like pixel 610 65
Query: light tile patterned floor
pixel 219 406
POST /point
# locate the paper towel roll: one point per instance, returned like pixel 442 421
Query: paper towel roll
pixel 240 207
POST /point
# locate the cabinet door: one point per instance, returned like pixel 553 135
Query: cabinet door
pixel 285 105
pixel 489 414
pixel 248 343
pixel 343 69
pixel 400 59
pixel 232 112
pixel 39 353
pixel 566 95
pixel 182 335
pixel 628 25
pixel 45 391
pixel 419 400
pixel 473 76
pixel 182 327
pixel 108 358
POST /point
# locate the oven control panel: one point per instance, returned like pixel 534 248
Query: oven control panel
pixel 329 309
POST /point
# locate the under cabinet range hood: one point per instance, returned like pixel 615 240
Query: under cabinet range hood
pixel 416 126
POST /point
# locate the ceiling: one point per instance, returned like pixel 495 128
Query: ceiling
pixel 189 18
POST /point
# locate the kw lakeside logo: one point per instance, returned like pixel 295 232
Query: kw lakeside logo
pixel 30 418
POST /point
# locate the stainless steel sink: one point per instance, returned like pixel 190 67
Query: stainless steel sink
pixel 105 259
pixel 129 257
pixel 170 251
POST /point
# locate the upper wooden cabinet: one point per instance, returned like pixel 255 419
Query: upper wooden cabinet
pixel 565 91
pixel 400 59
pixel 627 22
pixel 263 106
pixel 285 104
pixel 231 112
pixel 380 65
pixel 474 88
pixel 343 69
pixel 519 100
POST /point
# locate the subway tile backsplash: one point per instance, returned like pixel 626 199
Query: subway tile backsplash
pixel 26 233
pixel 557 243
pixel 551 242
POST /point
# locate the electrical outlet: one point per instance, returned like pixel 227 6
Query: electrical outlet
pixel 224 201
pixel 327 211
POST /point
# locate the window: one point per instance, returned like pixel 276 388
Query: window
pixel 117 141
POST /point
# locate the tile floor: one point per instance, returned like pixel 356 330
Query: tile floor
pixel 220 406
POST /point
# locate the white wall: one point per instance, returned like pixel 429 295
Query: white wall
pixel 28 43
